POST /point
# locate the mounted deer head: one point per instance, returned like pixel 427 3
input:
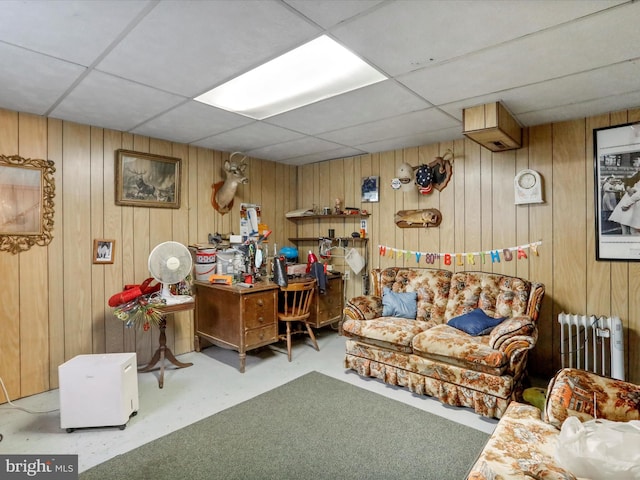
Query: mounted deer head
pixel 223 192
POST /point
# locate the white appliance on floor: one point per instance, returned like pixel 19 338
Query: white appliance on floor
pixel 99 390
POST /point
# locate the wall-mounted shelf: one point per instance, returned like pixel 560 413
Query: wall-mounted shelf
pixel 342 240
pixel 315 239
pixel 311 217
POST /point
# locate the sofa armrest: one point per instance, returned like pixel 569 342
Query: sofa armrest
pixel 364 307
pixel 587 395
pixel 517 328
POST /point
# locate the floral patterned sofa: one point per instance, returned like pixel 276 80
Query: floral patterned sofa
pixel 523 445
pixel 429 356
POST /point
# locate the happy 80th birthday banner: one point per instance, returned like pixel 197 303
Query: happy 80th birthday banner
pixel 448 258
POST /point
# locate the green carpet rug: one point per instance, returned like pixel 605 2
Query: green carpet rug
pixel 314 427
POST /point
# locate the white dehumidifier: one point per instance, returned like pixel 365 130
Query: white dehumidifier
pixel 98 391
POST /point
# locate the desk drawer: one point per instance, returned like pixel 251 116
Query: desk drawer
pixel 261 336
pixel 259 310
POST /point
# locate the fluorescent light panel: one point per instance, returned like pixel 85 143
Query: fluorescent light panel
pixel 314 71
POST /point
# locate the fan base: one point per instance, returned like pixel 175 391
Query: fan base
pixel 177 299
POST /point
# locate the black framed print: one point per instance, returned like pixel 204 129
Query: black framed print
pixel 617 192
pixel 370 189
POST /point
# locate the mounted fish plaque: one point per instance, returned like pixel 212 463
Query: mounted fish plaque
pixel 429 217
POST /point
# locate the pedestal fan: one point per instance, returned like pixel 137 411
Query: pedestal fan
pixel 169 263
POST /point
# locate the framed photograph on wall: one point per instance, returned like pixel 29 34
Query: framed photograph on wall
pixel 370 189
pixel 103 250
pixel 147 180
pixel 617 192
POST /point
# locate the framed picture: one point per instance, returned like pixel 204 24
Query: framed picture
pixel 27 190
pixel 370 189
pixel 147 180
pixel 617 192
pixel 103 250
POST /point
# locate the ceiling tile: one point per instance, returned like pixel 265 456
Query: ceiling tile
pixel 402 125
pixel 564 91
pixel 294 148
pixel 31 25
pixel 190 47
pixel 328 13
pixel 431 32
pixel 343 152
pixel 191 121
pixel 248 137
pixel 414 140
pixel 582 110
pixel 557 52
pixel 110 102
pixel 381 100
pixel 34 82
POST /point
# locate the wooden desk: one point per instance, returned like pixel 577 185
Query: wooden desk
pixel 235 317
pixel 326 308
pixel 163 351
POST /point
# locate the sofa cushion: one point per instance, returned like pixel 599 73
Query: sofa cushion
pixel 497 295
pixel 389 332
pixel 430 284
pixel 475 322
pixel 399 304
pixel 450 345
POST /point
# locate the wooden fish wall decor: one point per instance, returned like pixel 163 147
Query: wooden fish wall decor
pixel 429 217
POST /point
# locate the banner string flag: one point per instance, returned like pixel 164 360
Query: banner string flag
pixel 469 258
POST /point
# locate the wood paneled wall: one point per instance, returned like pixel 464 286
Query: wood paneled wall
pixel 53 302
pixel 479 215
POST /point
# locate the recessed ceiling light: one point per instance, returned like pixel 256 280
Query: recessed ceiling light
pixel 314 71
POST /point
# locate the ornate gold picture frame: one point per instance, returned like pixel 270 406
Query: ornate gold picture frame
pixel 27 189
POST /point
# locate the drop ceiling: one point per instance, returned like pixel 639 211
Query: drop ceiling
pixel 136 65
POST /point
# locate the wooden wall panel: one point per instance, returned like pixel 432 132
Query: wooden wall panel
pixel 541 228
pixel 98 301
pixel 112 221
pixel 468 200
pixel 632 339
pixel 34 288
pixel 78 246
pixel 598 273
pixel 10 370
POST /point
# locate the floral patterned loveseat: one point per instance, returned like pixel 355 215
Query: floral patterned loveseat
pixel 429 356
pixel 523 445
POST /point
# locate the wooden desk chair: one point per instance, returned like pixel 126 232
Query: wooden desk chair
pixel 295 306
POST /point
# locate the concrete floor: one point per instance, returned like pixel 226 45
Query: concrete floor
pixel 211 385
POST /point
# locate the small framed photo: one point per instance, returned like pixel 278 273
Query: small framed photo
pixel 370 189
pixel 103 250
pixel 147 180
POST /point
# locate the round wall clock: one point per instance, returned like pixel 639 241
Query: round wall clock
pixel 528 187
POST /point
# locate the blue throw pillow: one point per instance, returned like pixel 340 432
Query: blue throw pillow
pixel 475 323
pixel 399 304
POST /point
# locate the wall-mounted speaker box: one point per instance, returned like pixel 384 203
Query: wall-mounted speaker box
pixel 492 126
pixel 98 390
